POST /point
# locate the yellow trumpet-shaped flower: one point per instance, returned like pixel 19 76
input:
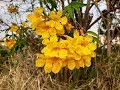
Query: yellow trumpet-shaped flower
pixel 37 14
pixel 45 31
pixel 57 21
pixel 49 63
pixel 24 25
pixel 70 52
pixel 35 18
pixel 69 27
pixel 9 42
pixel 14 28
pixel 55 49
pixel 40 62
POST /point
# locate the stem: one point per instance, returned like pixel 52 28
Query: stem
pixel 108 30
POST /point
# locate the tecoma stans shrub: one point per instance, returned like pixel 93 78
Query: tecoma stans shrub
pixel 70 52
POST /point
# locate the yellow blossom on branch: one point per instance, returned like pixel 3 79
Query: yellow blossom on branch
pixel 72 53
pixel 69 52
pixel 35 18
pixel 45 31
pixel 9 42
pixel 69 27
pixel 14 28
pixel 24 25
pixel 57 21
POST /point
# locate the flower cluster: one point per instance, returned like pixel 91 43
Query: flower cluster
pixel 47 27
pixel 71 53
pixel 9 42
pixel 58 52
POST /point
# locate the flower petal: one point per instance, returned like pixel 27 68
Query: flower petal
pixel 52 14
pixel 56 67
pixel 63 20
pixel 71 64
pixel 63 53
pixel 58 26
pixel 59 14
pixel 40 63
pixel 32 18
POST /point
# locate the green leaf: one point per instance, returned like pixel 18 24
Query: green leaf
pixel 20 44
pixel 97 40
pixel 77 5
pixel 72 7
pixel 70 11
pixel 92 33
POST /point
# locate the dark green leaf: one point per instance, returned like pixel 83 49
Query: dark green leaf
pixel 73 6
pixel 70 11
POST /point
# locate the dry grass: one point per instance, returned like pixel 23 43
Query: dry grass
pixel 21 74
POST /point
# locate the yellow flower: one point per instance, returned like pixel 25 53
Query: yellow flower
pixel 57 21
pixel 71 64
pixel 56 49
pixel 50 40
pixel 37 14
pixel 35 18
pixel 9 42
pixel 55 16
pixel 93 54
pixel 45 31
pixel 14 28
pixel 40 62
pixel 88 38
pixel 49 63
pixel 53 64
pixel 56 67
pixel 87 60
pixel 71 52
pixel 24 25
pixel 69 27
pixel 79 64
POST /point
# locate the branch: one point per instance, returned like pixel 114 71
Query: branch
pixel 62 1
pixel 101 17
pixel 86 14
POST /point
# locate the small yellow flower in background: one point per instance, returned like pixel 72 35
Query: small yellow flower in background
pixel 9 42
pixel 11 8
pixel 24 25
pixel 14 28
